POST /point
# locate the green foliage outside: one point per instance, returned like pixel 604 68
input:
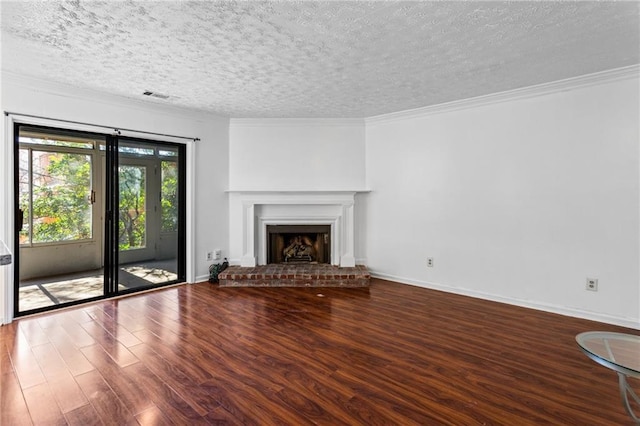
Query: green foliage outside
pixel 132 181
pixel 61 189
pixel 169 196
pixel 61 185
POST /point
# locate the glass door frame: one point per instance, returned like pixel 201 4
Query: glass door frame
pixel 110 212
pixel 17 223
pixel 112 243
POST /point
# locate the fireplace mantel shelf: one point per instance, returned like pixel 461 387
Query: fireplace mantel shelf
pixel 296 191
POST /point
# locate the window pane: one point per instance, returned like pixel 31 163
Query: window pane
pixel 61 191
pixel 169 194
pixel 132 224
pixel 55 141
pixel 23 194
pixel 168 152
pixel 135 149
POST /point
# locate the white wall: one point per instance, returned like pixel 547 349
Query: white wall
pixel 294 155
pixel 289 155
pixel 518 201
pixel 212 205
pixel 209 216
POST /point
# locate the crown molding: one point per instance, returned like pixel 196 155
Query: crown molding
pixel 81 93
pixel 70 91
pixel 295 122
pixel 568 84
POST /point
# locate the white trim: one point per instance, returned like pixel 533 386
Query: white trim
pixel 264 221
pixel 573 83
pixel 295 122
pixel 191 213
pixel 343 229
pixel 295 192
pixel 248 231
pixel 556 309
pixel 296 197
pixel 286 192
pixel 6 228
pixel 201 278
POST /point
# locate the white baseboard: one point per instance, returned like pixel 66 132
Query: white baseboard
pixel 577 313
pixel 201 278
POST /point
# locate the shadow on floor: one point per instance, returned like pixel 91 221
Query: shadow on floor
pixel 49 291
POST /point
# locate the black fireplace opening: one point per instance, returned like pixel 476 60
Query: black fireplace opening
pixel 298 244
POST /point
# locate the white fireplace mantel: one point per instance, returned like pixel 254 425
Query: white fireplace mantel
pixel 251 212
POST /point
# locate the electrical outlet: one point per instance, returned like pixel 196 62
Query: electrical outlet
pixel 592 284
pixel 429 262
pixel 217 254
pixel 209 256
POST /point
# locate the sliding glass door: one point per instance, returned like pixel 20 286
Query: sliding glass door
pixel 148 214
pixel 96 216
pixel 59 229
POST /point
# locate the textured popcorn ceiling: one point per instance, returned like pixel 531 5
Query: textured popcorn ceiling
pixel 314 59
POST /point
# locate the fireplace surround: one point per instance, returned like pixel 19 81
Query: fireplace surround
pixel 251 212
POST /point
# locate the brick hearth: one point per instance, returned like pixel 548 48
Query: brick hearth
pixel 296 275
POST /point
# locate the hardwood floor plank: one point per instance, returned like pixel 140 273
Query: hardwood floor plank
pixel 34 334
pixel 116 350
pixel 152 417
pixel 387 354
pixel 85 415
pixel 24 362
pixel 180 356
pixel 121 380
pixel 13 407
pixel 67 392
pixel 168 372
pixel 51 363
pixel 251 405
pixel 221 417
pixel 172 406
pixel 5 359
pixel 109 320
pixel 42 405
pixel 74 329
pixel 69 351
pixel 397 406
pixel 109 408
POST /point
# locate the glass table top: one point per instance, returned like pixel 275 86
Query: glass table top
pixel 617 351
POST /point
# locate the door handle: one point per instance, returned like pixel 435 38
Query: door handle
pixel 20 220
pixel 92 197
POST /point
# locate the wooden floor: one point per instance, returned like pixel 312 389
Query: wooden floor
pixel 387 354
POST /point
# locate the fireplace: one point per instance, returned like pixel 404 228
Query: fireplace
pixel 251 212
pixel 298 244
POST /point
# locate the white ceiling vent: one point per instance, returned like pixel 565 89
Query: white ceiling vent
pixel 155 95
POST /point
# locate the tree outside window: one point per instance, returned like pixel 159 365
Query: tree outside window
pixel 58 186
